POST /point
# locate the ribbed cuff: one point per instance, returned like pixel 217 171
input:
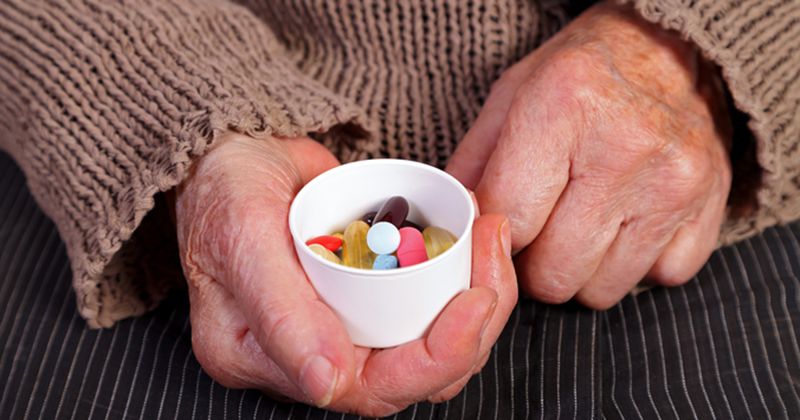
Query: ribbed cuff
pixel 116 99
pixel 756 46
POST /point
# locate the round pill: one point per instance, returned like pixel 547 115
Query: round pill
pixel 384 262
pixel 383 238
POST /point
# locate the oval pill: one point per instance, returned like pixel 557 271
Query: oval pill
pixel 437 240
pixel 383 238
pixel 325 253
pixel 385 262
pixel 328 241
pixel 412 247
pixel 355 251
pixel 394 211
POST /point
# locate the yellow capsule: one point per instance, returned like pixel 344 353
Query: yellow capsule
pixel 325 253
pixel 355 252
pixel 437 240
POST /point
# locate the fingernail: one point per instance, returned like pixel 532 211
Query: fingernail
pixel 505 237
pixel 318 380
pixel 489 313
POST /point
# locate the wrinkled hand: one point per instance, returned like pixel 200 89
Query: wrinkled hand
pixel 602 149
pixel 258 323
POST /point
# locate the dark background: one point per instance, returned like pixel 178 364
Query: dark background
pixel 724 346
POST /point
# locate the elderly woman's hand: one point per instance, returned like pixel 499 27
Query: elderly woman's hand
pixel 258 323
pixel 601 147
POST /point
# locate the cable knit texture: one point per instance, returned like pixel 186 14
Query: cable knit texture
pixel 106 103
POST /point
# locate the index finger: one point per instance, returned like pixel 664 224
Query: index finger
pixel 291 324
pixel 258 265
pixel 529 168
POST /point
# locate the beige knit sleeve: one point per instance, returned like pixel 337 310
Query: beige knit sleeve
pixel 106 103
pixel 757 46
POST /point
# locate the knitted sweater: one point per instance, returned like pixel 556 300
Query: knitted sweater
pixel 106 103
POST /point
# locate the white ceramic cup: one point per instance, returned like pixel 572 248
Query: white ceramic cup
pixel 385 308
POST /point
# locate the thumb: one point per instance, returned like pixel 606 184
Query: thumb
pixel 233 224
pixel 291 324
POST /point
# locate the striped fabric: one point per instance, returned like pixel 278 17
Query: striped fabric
pixel 724 346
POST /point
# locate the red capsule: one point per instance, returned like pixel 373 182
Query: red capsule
pixel 394 211
pixel 328 241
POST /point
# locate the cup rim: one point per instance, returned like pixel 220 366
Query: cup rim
pixel 372 162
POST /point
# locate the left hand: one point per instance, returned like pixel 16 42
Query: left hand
pixel 602 148
pixel 256 320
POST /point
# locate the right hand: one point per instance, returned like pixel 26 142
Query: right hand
pixel 608 150
pixel 258 323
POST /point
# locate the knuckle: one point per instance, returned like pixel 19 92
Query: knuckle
pixel 672 279
pixel 453 358
pixel 600 302
pixel 687 177
pixel 479 367
pixel 671 274
pixel 551 289
pixel 573 64
pixel 645 144
pixel 448 394
pixel 279 322
pixel 571 71
pixel 690 167
pixel 575 71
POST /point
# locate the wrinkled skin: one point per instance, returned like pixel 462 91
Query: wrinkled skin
pixel 601 148
pixel 257 321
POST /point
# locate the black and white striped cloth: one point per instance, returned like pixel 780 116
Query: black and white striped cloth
pixel 724 346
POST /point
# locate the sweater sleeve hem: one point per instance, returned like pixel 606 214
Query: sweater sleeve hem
pixel 750 45
pixel 134 273
pixel 110 102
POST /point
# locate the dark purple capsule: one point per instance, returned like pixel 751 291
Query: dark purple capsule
pixel 409 223
pixel 369 217
pixel 394 211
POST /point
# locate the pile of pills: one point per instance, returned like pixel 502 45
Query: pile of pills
pixel 383 240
